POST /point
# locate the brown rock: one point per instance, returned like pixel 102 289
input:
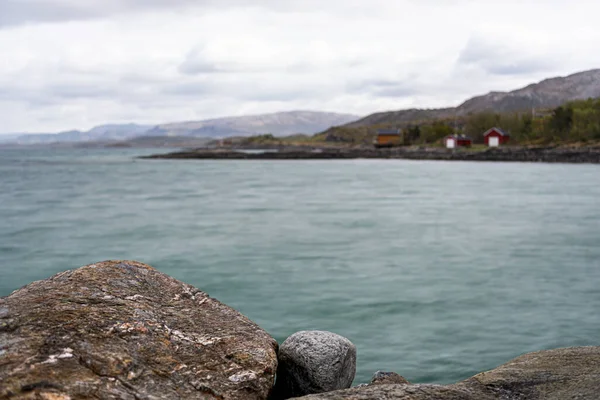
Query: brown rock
pixel 403 392
pixel 123 330
pixel 562 374
pixel 388 378
pixel 572 373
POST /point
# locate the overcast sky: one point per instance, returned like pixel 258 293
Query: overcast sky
pixel 73 64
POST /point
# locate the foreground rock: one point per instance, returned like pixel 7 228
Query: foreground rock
pixel 546 375
pixel 314 362
pixel 122 330
pixel 405 392
pixel 572 373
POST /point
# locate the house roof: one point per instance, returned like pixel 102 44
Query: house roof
pixel 389 131
pixel 500 131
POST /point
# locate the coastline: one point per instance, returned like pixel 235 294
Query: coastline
pixel 578 155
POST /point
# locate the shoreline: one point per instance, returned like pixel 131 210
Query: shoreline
pixel 583 155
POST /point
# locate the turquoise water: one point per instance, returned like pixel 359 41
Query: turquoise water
pixel 434 270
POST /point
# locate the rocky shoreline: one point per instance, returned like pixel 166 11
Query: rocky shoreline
pixel 123 330
pixel 579 155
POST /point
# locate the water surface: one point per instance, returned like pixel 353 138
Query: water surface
pixel 435 270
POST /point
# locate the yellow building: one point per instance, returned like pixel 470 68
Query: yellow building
pixel 389 138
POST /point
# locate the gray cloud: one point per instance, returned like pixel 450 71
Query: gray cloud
pixel 386 87
pixel 197 62
pixel 18 12
pixel 193 89
pixel 503 59
pixel 152 61
pixel 242 89
pixel 77 91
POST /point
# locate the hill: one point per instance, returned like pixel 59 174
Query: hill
pixel 548 93
pixel 278 124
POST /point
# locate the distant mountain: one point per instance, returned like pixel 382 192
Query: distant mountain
pixel 282 123
pixel 278 124
pixel 9 137
pixel 548 93
pixel 161 141
pixel 102 133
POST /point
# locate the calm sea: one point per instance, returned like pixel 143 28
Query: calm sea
pixel 435 270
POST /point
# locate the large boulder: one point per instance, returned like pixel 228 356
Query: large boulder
pixel 314 362
pixel 123 330
pixel 562 374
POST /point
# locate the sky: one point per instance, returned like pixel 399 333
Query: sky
pixel 75 64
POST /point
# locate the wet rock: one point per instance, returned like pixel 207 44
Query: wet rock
pixel 561 374
pixel 123 330
pixel 314 362
pixel 388 378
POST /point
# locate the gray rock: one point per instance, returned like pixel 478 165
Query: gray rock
pixel 123 330
pixel 388 378
pixel 314 362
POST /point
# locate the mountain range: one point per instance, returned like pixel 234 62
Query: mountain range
pixel 546 94
pixel 278 124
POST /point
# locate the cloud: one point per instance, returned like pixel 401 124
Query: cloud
pixel 399 87
pixel 18 12
pixel 79 63
pixel 499 56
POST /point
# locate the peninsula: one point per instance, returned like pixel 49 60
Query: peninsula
pixel 546 154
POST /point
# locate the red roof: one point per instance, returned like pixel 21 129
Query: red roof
pixel 497 130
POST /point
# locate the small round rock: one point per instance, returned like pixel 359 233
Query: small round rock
pixel 313 362
pixel 388 378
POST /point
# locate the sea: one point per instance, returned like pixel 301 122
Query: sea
pixel 435 270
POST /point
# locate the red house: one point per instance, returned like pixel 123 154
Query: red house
pixel 495 137
pixel 454 141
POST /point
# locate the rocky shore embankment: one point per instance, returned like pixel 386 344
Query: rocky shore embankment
pixel 579 155
pixel 123 330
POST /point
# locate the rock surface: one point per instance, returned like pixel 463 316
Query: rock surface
pixel 561 374
pixel 314 362
pixel 572 373
pixel 387 378
pixel 123 330
pixel 404 392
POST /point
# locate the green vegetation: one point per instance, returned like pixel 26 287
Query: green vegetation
pixel 576 122
pixel 573 122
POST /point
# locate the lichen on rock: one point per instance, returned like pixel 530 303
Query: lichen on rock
pixel 121 329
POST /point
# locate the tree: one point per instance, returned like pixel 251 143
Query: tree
pixel 561 121
pixel 413 133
